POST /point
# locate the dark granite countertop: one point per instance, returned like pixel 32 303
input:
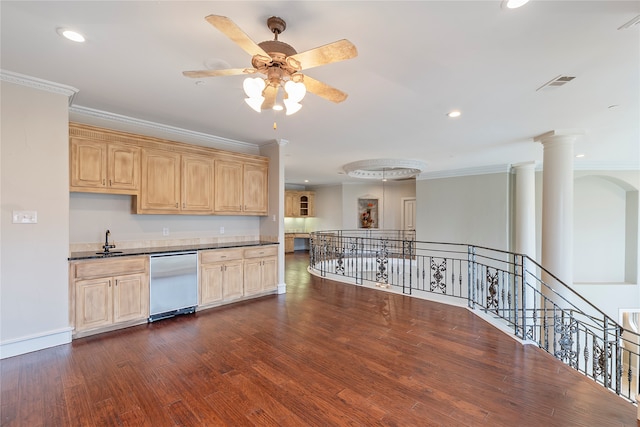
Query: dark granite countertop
pixel 77 256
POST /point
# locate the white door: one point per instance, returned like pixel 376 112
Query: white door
pixel 409 214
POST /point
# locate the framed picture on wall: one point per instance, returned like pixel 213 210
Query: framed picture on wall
pixel 367 213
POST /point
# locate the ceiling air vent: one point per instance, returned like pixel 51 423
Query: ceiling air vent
pixel 631 24
pixel 556 82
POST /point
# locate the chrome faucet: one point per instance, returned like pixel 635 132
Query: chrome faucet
pixel 106 245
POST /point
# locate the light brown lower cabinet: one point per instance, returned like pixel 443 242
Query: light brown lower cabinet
pixel 108 294
pixel 221 276
pixel 260 270
pixel 230 274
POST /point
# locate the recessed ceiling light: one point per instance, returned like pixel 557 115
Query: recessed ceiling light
pixel 70 34
pixel 277 107
pixel 454 113
pixel 306 180
pixel 514 4
pixel 579 156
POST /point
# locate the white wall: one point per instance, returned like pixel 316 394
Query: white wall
pixel 337 206
pixel 465 209
pixel 328 208
pixel 34 175
pixel 90 215
pixel 599 231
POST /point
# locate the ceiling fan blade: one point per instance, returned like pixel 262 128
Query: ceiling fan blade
pixel 332 52
pixel 323 90
pixel 269 94
pixel 231 30
pixel 217 73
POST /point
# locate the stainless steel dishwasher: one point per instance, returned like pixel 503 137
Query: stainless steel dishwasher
pixel 173 284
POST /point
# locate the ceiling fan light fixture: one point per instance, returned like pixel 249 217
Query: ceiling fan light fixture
pixel 255 103
pixel 253 87
pixel 292 106
pixel 295 90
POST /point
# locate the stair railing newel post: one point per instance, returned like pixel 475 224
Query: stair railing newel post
pixel 523 294
pixel 618 360
pixel 605 344
pixel 471 275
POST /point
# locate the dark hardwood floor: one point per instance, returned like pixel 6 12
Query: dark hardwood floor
pixel 323 354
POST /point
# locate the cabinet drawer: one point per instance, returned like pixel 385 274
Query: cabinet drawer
pixel 111 267
pixel 261 251
pixel 218 255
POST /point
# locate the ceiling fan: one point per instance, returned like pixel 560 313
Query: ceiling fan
pixel 281 65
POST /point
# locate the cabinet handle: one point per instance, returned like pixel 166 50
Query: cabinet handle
pixel 104 181
pixel 176 204
pixel 116 282
pixel 184 205
pixel 225 268
pixel 109 282
pixel 110 183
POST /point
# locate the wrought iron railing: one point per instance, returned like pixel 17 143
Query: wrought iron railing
pixel 513 289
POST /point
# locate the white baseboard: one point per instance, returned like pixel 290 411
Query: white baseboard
pixel 22 345
pixel 282 288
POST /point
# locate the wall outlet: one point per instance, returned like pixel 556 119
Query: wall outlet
pixel 25 217
pixel 221 230
pixel 165 231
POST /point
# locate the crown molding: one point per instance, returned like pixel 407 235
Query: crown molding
pixel 216 141
pixel 38 84
pixel 581 165
pixel 481 170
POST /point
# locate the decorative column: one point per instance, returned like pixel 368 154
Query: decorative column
pixel 525 241
pixel 525 209
pixel 557 204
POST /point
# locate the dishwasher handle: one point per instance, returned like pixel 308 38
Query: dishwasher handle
pixel 167 254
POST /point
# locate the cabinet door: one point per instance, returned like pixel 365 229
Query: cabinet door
pixel 130 298
pixel 93 303
pixel 211 279
pixel 252 276
pixel 255 189
pixel 228 186
pixel 289 243
pixel 234 281
pixel 123 163
pixel 312 203
pixel 197 184
pixel 160 189
pixel 290 204
pixel 269 273
pixel 88 164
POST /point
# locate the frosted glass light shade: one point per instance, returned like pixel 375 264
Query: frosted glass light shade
pixel 255 103
pixel 295 90
pixel 253 87
pixel 292 106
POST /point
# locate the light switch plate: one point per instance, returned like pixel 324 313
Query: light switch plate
pixel 25 217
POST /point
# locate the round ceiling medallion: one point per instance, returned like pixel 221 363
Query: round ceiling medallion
pixel 385 168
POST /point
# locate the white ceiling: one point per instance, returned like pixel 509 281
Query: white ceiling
pixel 416 61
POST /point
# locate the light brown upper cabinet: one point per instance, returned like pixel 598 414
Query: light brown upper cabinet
pixel 175 183
pixel 104 167
pixel 167 177
pixel 299 204
pixel 241 188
